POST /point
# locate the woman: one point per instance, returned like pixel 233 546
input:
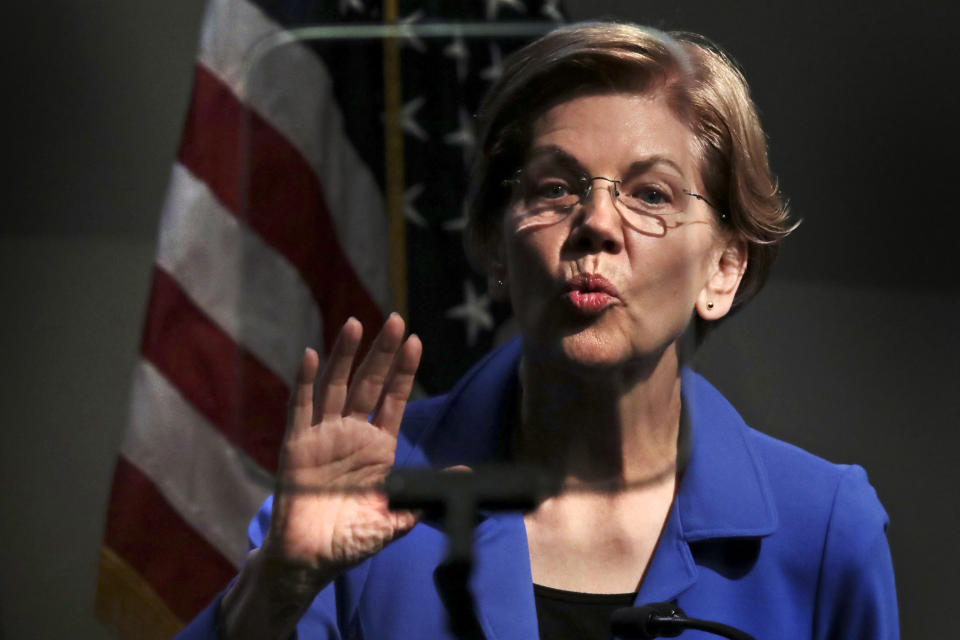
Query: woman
pixel 622 202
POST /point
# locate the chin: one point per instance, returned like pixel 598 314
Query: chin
pixel 588 351
pixel 595 352
pixel 594 345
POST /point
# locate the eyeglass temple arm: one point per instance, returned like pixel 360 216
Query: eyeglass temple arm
pixel 723 215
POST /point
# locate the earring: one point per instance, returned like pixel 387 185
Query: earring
pixel 710 305
pixel 499 283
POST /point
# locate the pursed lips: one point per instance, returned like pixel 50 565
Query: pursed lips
pixel 591 293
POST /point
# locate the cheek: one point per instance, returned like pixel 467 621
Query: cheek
pixel 532 247
pixel 527 264
pixel 682 271
pixel 668 275
pixel 532 261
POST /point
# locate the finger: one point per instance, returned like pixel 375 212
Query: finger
pixel 404 521
pixel 458 468
pixel 301 401
pixel 370 376
pixel 396 392
pixel 332 388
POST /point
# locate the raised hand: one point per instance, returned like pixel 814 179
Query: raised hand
pixel 341 440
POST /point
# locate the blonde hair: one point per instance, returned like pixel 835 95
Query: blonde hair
pixel 703 87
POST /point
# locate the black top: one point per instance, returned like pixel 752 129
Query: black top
pixel 569 615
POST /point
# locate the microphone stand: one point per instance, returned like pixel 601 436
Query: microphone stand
pixel 665 620
pixel 457 497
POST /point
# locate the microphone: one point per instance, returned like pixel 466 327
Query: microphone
pixel 457 497
pixel 489 487
pixel 665 620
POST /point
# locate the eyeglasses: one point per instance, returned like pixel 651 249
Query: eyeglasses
pixel 649 206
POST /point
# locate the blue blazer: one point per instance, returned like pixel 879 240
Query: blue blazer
pixel 762 535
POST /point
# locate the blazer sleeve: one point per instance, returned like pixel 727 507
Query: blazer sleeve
pixel 856 596
pixel 320 620
pixel 205 626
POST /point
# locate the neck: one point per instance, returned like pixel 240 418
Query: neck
pixel 613 426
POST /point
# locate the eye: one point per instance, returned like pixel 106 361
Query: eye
pixel 651 196
pixel 553 190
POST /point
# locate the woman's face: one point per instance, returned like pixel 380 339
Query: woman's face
pixel 597 283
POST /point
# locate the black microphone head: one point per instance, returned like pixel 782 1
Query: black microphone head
pixel 488 487
pixel 646 621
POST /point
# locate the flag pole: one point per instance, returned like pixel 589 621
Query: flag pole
pixel 393 139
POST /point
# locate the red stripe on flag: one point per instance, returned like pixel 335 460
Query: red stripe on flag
pixel 143 529
pixel 285 201
pixel 244 399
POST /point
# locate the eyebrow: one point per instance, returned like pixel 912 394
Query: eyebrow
pixel 638 166
pixel 558 154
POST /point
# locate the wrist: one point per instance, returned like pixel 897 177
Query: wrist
pixel 269 597
pixel 289 577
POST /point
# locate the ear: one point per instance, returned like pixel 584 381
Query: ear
pixel 727 268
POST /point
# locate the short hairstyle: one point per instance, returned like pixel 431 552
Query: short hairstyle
pixel 702 86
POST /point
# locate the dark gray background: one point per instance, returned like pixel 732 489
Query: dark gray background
pixel 850 352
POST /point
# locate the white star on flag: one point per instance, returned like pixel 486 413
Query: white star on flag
pixel 493 6
pixel 462 137
pixel 351 5
pixel 409 38
pixel 459 52
pixel 457 224
pixel 474 312
pixel 495 70
pixel 409 211
pixel 408 121
pixel 551 10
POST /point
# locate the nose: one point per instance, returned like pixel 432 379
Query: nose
pixel 598 227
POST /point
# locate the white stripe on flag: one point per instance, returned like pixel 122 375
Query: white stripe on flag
pixel 211 483
pixel 293 91
pixel 249 289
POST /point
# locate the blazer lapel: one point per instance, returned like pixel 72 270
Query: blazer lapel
pixel 671 570
pixel 502 583
pixel 468 431
pixel 723 494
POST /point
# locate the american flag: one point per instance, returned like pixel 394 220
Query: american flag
pixel 275 229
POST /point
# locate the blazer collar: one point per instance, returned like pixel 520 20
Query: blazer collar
pixel 724 491
pixel 723 494
pixel 468 428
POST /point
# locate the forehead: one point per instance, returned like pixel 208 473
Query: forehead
pixel 610 132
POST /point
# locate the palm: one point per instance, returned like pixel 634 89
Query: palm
pixel 323 517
